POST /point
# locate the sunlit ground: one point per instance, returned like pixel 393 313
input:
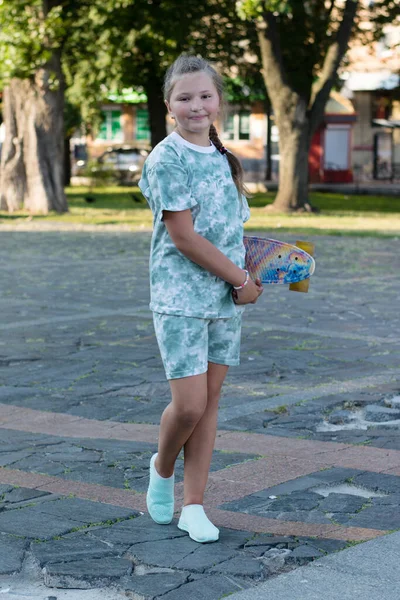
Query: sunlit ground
pixel 339 214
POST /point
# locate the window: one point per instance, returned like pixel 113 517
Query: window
pixel 110 128
pixel 381 106
pixel 337 148
pixel 244 125
pixel 142 124
pixel 237 126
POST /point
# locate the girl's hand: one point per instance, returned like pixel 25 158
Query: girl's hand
pixel 249 294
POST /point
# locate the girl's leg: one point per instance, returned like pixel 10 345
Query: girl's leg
pixel 180 418
pixel 199 447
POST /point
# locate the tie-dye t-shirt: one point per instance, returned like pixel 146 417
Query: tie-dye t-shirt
pixel 177 176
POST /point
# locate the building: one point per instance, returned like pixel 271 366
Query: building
pixel 359 139
pixel 330 158
pixel 243 130
pixel 372 82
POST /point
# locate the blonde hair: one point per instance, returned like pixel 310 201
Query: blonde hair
pixel 185 64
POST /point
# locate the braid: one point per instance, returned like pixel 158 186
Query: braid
pixel 234 163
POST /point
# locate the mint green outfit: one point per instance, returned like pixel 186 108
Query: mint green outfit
pixel 177 176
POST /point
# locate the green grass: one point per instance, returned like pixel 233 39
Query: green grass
pixel 339 214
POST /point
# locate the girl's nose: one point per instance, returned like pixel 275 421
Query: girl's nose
pixel 196 104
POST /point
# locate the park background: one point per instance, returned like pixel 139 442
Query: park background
pixel 313 107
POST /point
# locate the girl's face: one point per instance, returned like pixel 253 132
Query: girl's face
pixel 194 103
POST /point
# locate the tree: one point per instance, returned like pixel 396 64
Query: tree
pixel 86 49
pixel 302 45
pixel 137 41
pixel 33 98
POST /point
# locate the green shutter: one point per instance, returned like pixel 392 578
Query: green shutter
pixel 142 124
pixel 116 129
pixel 110 128
pixel 102 135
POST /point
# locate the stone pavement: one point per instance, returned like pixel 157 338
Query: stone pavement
pixel 307 457
pixel 370 570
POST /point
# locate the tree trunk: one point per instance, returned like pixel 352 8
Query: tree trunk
pixel 157 110
pixel 298 113
pixel 293 169
pixel 12 170
pixel 32 166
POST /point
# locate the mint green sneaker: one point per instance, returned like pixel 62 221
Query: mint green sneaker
pixel 160 496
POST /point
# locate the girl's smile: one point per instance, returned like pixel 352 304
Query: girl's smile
pixel 194 104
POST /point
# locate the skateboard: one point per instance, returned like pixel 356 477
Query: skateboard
pixel 280 263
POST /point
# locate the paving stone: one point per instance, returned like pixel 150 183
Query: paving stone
pixel 38 464
pixel 7 459
pixel 162 553
pixel 295 501
pixel 205 557
pixel 389 500
pixel 337 417
pixel 343 503
pixel 295 485
pixel 97 473
pixel 70 548
pixel 327 545
pixel 30 523
pixel 245 504
pixel 336 474
pixel 302 516
pixel 135 531
pixel 233 538
pixel 52 366
pixel 86 574
pixel 269 540
pixel 22 494
pixel 204 588
pixel 85 511
pixel 378 482
pixel 381 413
pixel 152 585
pixel 12 551
pixel 115 449
pixel 303 554
pixel 241 566
pixel 376 517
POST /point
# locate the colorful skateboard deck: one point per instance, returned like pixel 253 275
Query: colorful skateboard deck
pixel 278 262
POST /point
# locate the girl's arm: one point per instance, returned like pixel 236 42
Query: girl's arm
pixel 204 253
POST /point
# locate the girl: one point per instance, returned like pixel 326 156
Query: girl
pixel 194 187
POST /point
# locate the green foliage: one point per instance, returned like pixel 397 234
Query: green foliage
pixel 114 44
pixel 305 30
pixel 250 9
pixel 28 37
pixel 244 91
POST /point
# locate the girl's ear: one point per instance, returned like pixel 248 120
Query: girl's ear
pixel 168 106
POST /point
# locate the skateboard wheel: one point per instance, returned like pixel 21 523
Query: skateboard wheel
pixel 306 246
pixel 300 286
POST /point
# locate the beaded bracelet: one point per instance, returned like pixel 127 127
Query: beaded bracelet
pixel 240 287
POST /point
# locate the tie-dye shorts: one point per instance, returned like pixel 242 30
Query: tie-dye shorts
pixel 187 344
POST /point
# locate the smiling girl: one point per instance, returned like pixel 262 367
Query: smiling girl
pixel 194 187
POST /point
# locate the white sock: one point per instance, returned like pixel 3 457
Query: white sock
pixel 194 520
